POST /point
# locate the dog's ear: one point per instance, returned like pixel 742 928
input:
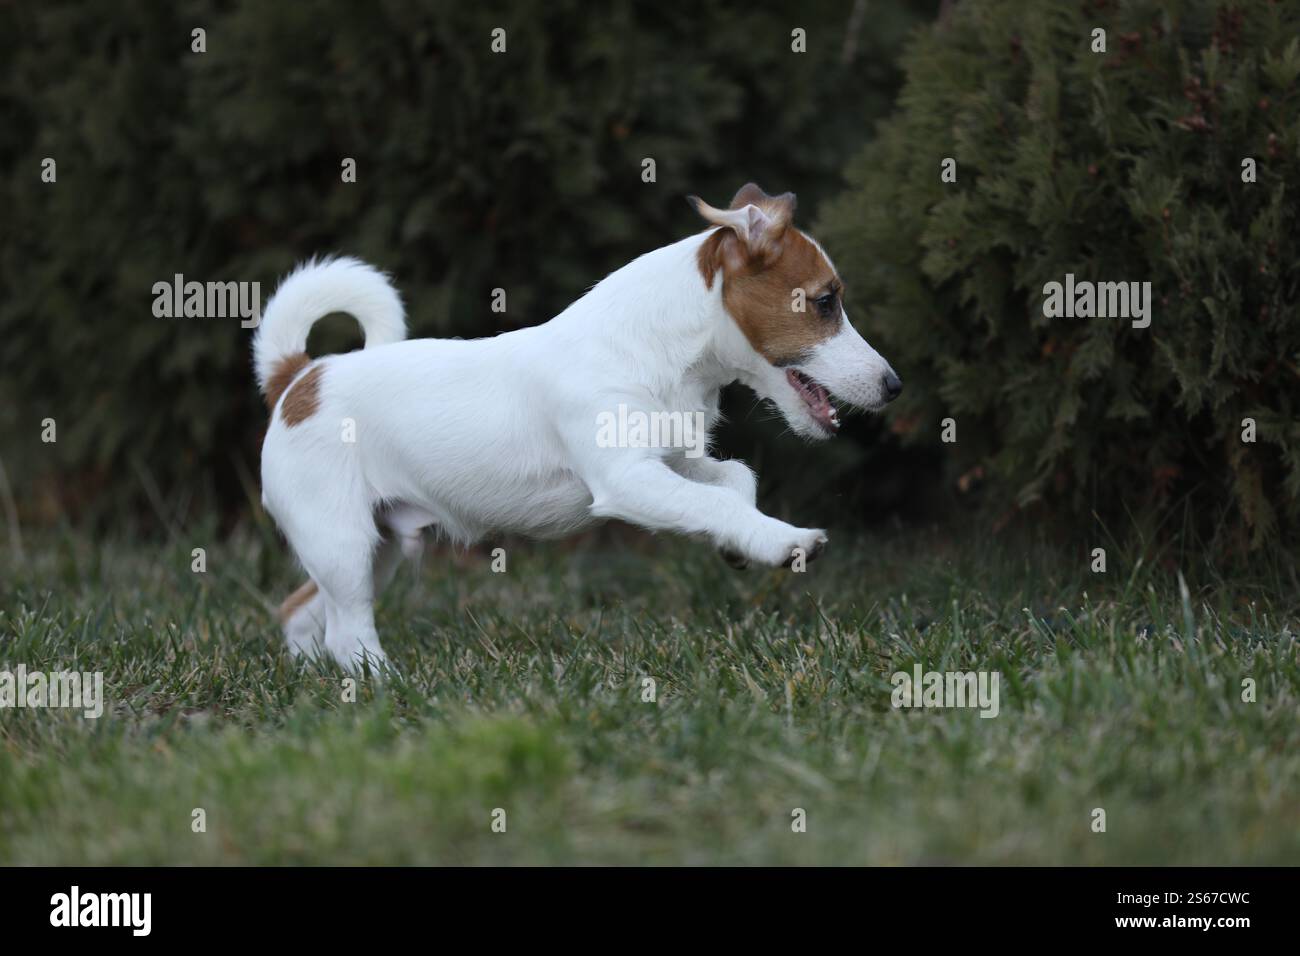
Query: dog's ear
pixel 779 208
pixel 757 219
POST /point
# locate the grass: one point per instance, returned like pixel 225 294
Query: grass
pixel 524 691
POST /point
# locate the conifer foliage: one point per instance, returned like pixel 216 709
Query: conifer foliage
pixel 1162 150
pixel 465 148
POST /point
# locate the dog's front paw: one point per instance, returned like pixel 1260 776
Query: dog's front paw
pixel 787 546
pixel 807 551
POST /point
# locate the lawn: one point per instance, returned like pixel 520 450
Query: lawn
pixel 525 692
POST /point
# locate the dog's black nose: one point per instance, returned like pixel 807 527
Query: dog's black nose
pixel 893 386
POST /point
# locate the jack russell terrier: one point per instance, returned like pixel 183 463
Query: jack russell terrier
pixel 367 449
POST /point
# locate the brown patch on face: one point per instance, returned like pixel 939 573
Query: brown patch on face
pixel 285 371
pixel 296 600
pixel 304 398
pixel 758 291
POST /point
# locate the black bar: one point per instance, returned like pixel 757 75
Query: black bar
pixel 333 905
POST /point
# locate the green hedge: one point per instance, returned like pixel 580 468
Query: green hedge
pixel 475 171
pixel 1123 165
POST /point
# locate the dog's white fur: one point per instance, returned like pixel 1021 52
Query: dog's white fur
pixel 471 437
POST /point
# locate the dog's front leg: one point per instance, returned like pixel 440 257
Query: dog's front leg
pixel 647 492
pixel 728 473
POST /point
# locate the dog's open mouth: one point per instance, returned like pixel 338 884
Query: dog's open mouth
pixel 817 398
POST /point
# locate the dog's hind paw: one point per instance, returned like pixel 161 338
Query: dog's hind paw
pixel 734 558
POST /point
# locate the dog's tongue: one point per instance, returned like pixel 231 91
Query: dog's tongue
pixel 817 398
pixel 822 409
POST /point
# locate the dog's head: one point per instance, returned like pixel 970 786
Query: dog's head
pixel 784 294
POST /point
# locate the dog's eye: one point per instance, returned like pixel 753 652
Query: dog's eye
pixel 826 303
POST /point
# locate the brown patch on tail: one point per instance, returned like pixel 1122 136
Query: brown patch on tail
pixel 286 369
pixel 296 600
pixel 304 398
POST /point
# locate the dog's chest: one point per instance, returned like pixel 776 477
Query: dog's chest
pixel 549 507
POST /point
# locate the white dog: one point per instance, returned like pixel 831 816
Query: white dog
pixel 366 450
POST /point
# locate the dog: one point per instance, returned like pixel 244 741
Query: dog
pixel 369 450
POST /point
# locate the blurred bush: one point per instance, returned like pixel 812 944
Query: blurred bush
pixel 1123 165
pixel 474 171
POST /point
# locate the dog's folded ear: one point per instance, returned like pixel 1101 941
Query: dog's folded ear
pixel 757 219
pixel 779 208
pixel 749 223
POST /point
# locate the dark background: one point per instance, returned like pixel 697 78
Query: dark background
pixel 523 171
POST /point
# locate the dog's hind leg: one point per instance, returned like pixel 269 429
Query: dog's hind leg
pixel 341 551
pixel 303 615
pixel 388 558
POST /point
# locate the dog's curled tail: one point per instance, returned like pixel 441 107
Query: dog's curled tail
pixel 309 293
